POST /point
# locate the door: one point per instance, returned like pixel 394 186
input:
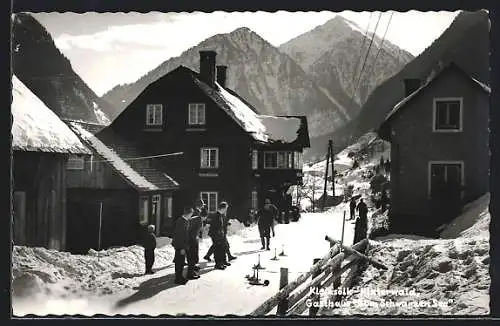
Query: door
pixel 19 210
pixel 446 187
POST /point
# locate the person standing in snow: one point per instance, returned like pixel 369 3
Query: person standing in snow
pixel 352 208
pixel 266 217
pixel 384 200
pixel 195 225
pixel 361 226
pixel 149 249
pixel 216 232
pixel 180 242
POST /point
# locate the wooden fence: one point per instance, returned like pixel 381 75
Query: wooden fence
pixel 338 269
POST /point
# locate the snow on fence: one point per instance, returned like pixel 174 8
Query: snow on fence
pixel 295 297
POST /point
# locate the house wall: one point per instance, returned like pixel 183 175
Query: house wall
pixel 414 144
pixel 96 174
pixel 120 218
pixel 39 199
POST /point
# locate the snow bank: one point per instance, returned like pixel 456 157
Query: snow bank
pixel 280 128
pixel 449 276
pixel 113 158
pixel 36 128
pixel 473 213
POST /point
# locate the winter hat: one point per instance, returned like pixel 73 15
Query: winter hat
pixel 267 201
pixel 151 228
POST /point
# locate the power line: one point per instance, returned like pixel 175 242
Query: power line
pixel 366 56
pixel 380 48
pixel 141 157
pixel 365 37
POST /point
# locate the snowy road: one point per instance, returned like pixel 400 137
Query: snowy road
pixel 216 292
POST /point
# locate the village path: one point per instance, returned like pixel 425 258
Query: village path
pixel 228 292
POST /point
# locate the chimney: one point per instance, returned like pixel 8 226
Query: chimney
pixel 207 67
pixel 221 75
pixel 411 85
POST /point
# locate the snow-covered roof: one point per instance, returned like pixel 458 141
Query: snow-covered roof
pixel 36 128
pixel 263 128
pixel 117 162
pixel 434 76
pixel 281 129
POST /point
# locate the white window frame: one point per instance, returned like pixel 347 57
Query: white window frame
pixel 144 219
pixel 154 107
pixel 208 194
pixel 255 200
pixel 156 212
pixel 197 114
pixel 298 160
pixel 434 113
pixel 429 175
pixel 255 159
pixel 205 164
pixel 75 162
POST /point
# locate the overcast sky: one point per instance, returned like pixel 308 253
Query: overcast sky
pixel 107 49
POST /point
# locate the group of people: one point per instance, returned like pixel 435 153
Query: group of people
pixel 186 236
pixel 361 226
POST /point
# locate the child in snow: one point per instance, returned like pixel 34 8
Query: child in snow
pixel 180 242
pixel 149 249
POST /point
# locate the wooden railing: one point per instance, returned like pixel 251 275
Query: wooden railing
pixel 338 268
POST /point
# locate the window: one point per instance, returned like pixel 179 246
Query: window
pixel 155 211
pixel 167 213
pixel 255 200
pixel 298 162
pixel 447 114
pixel 210 199
pixel 143 210
pixel 209 158
pixel 270 160
pixel 445 177
pixel 75 163
pixel 154 114
pixel 278 160
pixel 255 159
pixel 196 113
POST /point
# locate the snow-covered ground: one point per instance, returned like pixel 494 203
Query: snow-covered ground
pixel 51 282
pixel 449 276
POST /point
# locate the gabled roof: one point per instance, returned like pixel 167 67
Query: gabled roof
pixel 263 128
pixel 36 128
pixel 383 129
pixel 120 155
pixel 451 67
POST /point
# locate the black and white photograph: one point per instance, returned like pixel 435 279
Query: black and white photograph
pixel 311 163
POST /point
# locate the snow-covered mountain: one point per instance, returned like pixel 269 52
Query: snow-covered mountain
pixel 270 80
pixel 48 73
pixel 332 54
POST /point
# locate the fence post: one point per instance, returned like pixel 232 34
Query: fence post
pixel 283 304
pixel 315 297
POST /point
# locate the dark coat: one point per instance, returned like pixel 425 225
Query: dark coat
pixel 149 241
pixel 266 216
pixel 195 225
pixel 216 225
pixel 362 209
pixel 181 234
pixel 352 205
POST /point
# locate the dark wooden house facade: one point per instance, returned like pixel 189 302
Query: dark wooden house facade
pixel 41 145
pixel 114 193
pixel 439 150
pixel 230 152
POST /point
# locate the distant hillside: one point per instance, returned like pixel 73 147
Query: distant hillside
pixel 48 73
pixel 466 42
pixel 332 55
